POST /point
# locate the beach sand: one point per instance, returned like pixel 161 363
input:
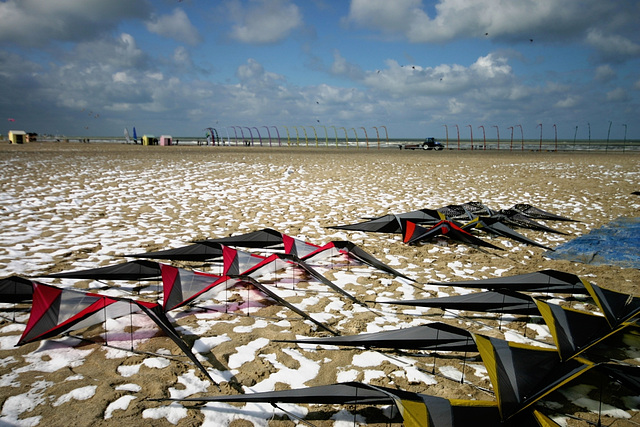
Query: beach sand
pixel 71 206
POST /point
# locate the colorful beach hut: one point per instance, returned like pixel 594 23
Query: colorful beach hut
pixel 17 137
pixel 149 140
pixel 165 140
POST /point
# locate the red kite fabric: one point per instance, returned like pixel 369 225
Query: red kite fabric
pixel 414 233
pixel 181 286
pixel 55 311
pixel 351 250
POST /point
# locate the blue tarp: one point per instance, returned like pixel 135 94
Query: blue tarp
pixel 617 243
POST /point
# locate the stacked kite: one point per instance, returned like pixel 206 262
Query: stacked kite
pixel 425 224
pixel 521 375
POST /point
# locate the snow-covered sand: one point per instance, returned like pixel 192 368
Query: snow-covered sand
pixel 66 206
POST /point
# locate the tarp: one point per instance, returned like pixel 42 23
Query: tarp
pixel 194 252
pixel 55 311
pixel 15 289
pixel 574 331
pixel 522 374
pixel 615 243
pixel 413 233
pixel 616 306
pixel 434 336
pixel 416 409
pixel 132 270
pixel 503 301
pixel 181 286
pixel 553 281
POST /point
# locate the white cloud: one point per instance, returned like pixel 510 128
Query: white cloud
pixel 618 95
pixel 488 71
pixel 568 102
pixel 175 25
pixel 612 47
pixel 341 67
pixel 549 20
pixel 264 21
pixel 604 73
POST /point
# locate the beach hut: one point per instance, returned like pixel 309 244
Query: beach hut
pixel 17 136
pixel 165 140
pixel 149 140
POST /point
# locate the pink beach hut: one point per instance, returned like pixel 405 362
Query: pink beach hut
pixel 165 140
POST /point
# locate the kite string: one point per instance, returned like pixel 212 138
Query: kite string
pixel 131 324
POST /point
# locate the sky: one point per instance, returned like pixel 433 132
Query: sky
pixel 412 68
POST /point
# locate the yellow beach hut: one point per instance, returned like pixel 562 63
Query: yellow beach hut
pixel 149 140
pixel 17 136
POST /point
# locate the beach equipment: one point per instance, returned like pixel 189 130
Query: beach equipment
pixel 553 281
pixel 575 331
pixel 15 289
pixel 522 374
pixel 131 270
pixel 182 286
pixel 56 311
pixel 435 336
pixel 413 233
pixel 416 409
pixel 494 226
pixel 268 238
pixel 393 223
pixel 615 243
pixel 502 301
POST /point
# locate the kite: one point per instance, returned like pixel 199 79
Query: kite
pixel 416 409
pixel 351 250
pixel 536 213
pixel 15 289
pixel 268 238
pixel 433 336
pixel 523 374
pixel 414 233
pixel 56 311
pixel 265 238
pixel 465 210
pixel 575 331
pixel 539 281
pixel 181 286
pixel 517 218
pixel 502 301
pixel 617 307
pixel 132 270
pixel 194 252
pixel 494 226
pixel 393 223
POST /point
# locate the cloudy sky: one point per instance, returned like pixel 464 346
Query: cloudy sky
pixel 94 67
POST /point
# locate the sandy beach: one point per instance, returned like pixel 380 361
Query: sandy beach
pixel 71 206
